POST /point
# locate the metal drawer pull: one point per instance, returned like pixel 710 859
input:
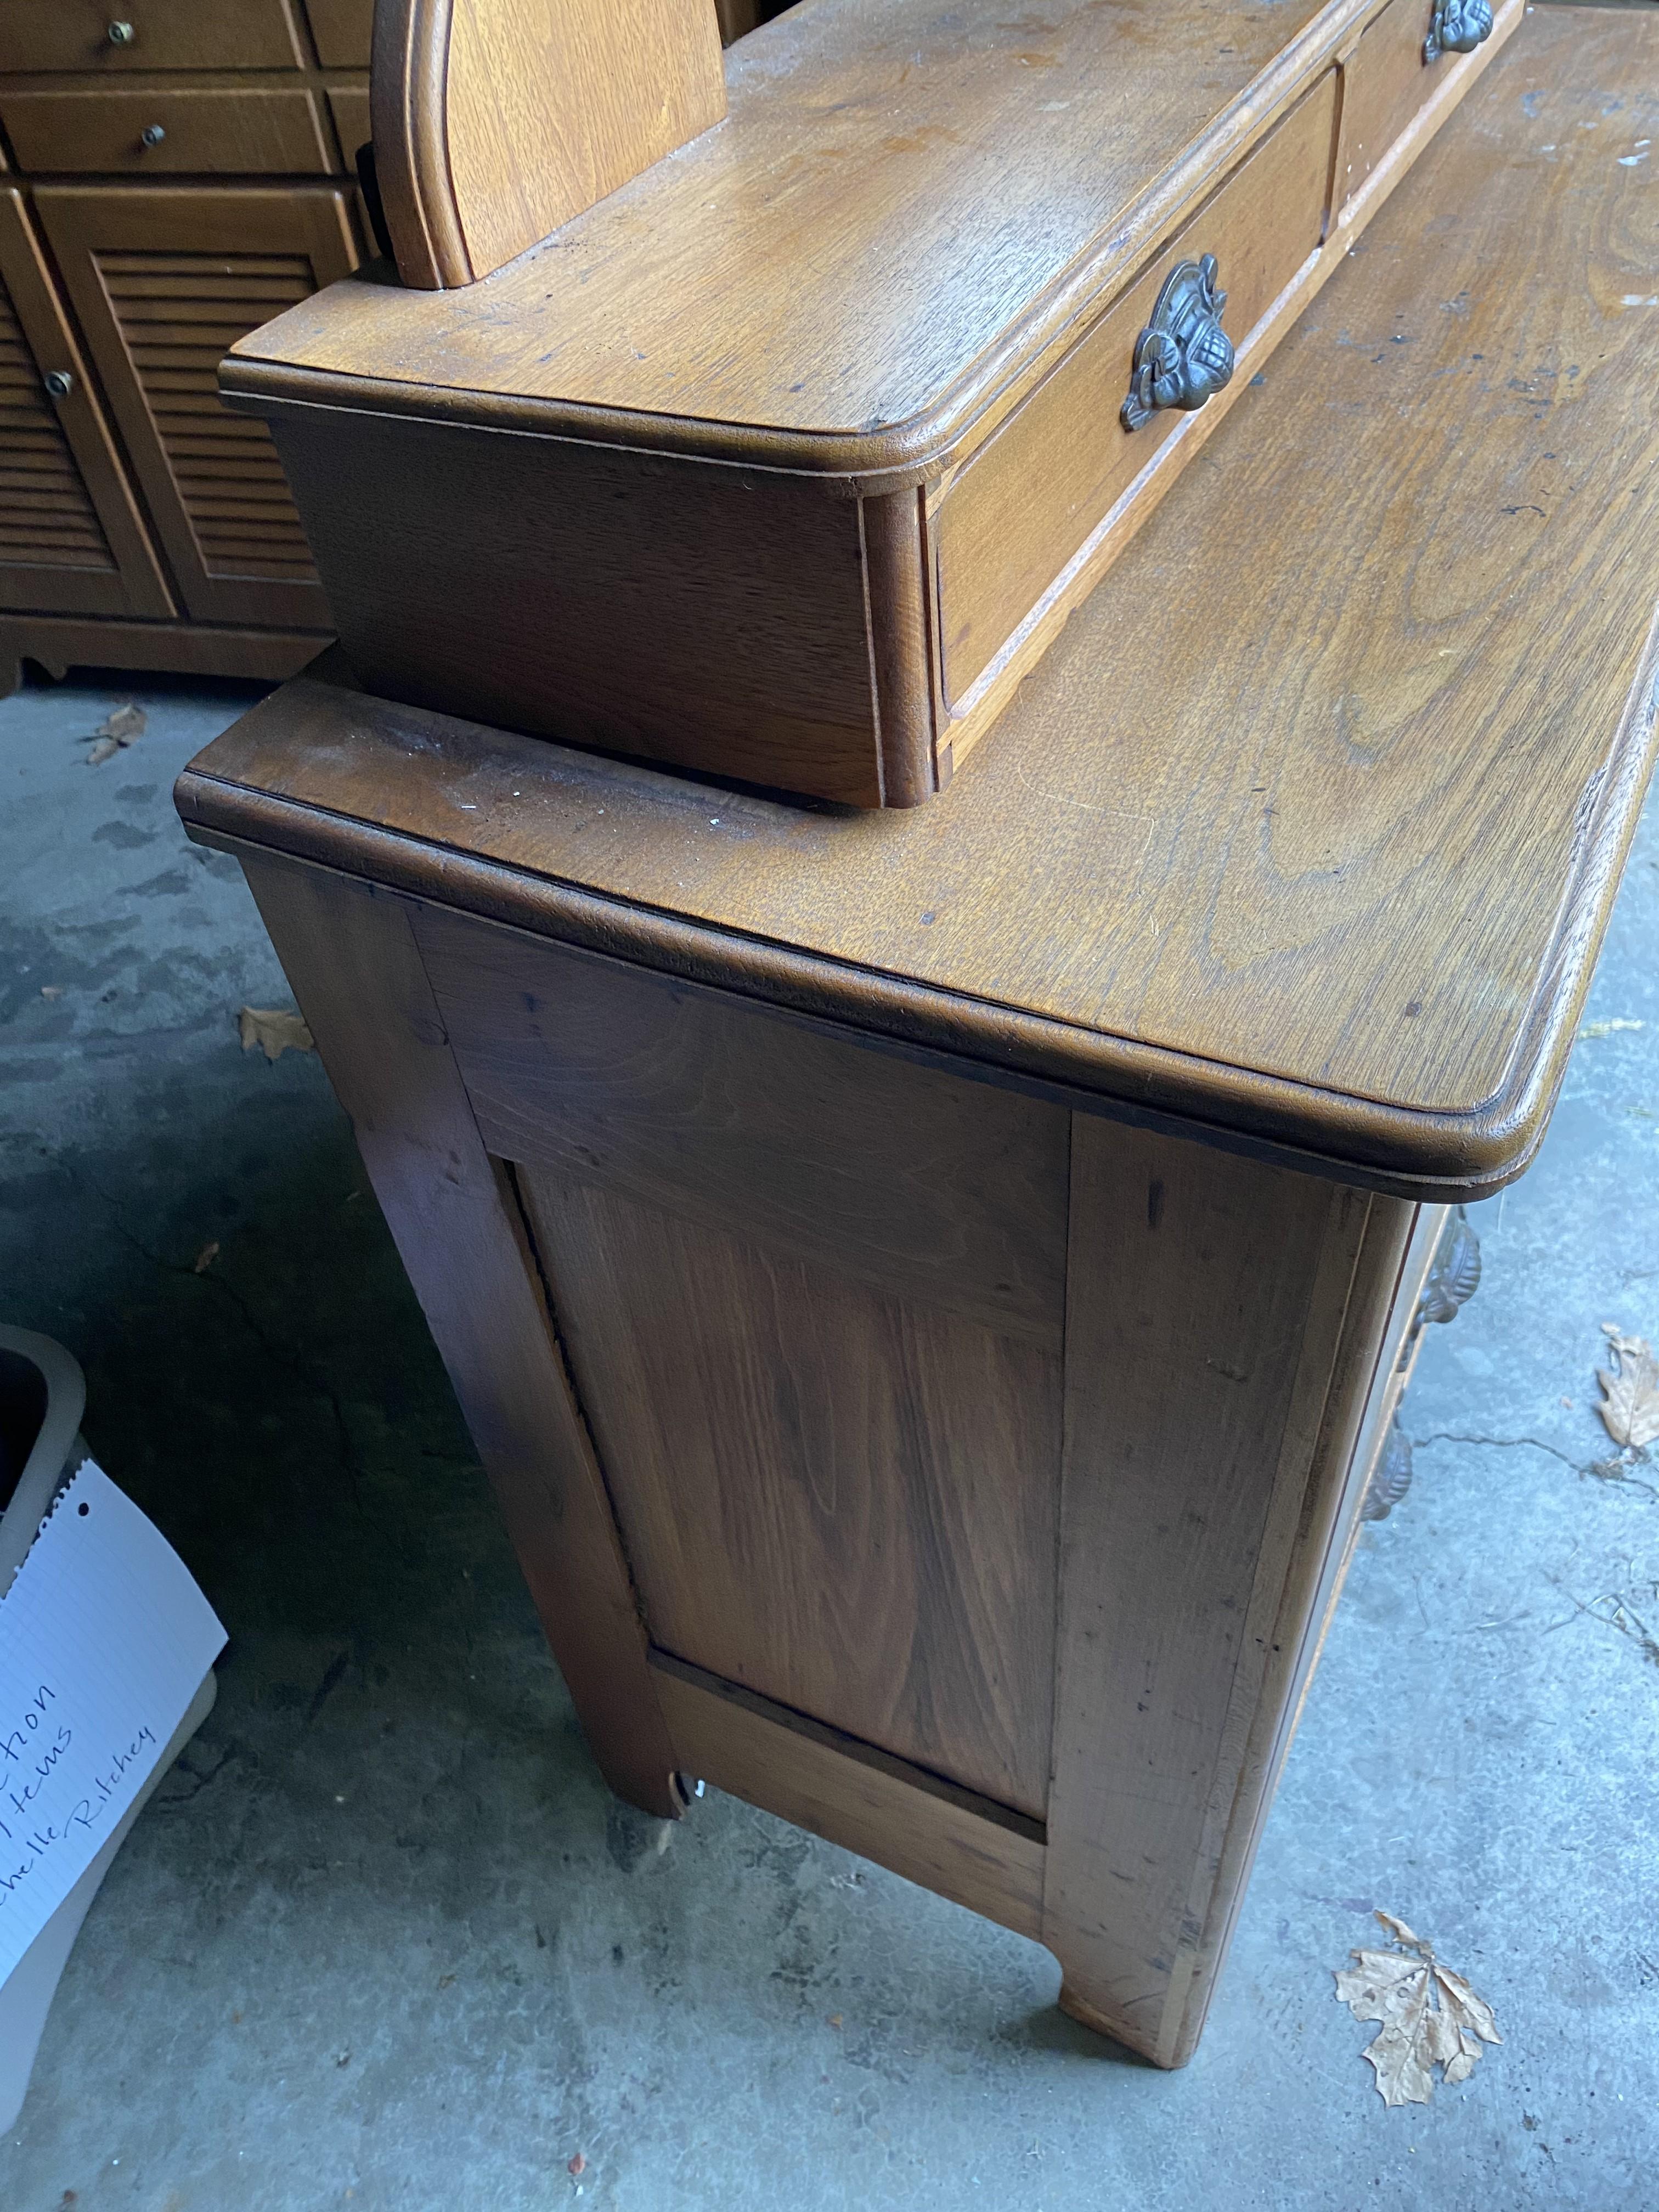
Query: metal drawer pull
pixel 1454 1272
pixel 59 382
pixel 151 135
pixel 1391 1478
pixel 121 34
pixel 1457 26
pixel 1184 356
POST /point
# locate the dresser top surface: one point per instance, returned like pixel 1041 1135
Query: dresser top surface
pixel 1305 832
pixel 907 199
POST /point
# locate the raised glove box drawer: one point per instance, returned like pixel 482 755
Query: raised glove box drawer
pixel 786 461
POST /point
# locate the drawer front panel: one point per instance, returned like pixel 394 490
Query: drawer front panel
pixel 1025 504
pixel 344 30
pixel 350 105
pixel 1386 83
pixel 162 35
pixel 234 133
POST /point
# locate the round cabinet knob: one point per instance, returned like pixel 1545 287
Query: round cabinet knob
pixel 59 383
pixel 1183 356
pixel 151 135
pixel 121 34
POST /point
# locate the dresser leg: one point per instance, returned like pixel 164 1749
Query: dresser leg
pixel 1224 1323
pixel 356 970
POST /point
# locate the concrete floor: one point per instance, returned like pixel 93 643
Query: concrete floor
pixel 384 1940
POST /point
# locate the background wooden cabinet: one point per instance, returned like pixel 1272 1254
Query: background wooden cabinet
pixel 162 283
pixel 180 171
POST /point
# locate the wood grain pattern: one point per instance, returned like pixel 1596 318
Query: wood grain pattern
pixel 1206 1307
pixel 1321 857
pixel 496 121
pixel 60 642
pixel 906 1820
pixel 801 283
pixel 1017 532
pixel 842 1499
pixel 350 957
pixel 70 534
pixel 1386 82
pixel 1030 496
pixel 162 279
pixel 912 1181
pixel 171 34
pixel 641 604
pixel 252 131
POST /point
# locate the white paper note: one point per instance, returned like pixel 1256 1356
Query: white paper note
pixel 104 1641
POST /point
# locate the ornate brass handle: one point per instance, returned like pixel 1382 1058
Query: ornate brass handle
pixel 1184 356
pixel 1457 26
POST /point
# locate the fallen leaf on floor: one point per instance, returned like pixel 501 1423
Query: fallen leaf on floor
pixel 51 990
pixel 129 722
pixel 274 1031
pixel 1608 1029
pixel 577 2164
pixel 205 1258
pixel 1430 2016
pixel 1630 1407
pixel 116 730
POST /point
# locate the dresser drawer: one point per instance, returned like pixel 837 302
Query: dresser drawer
pixel 147 35
pixel 349 105
pixel 1025 504
pixel 250 132
pixel 344 30
pixel 1386 84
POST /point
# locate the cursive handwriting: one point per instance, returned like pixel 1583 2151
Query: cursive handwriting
pixel 26 1849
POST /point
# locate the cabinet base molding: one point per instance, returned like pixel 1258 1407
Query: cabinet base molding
pixel 58 645
pixel 949 1840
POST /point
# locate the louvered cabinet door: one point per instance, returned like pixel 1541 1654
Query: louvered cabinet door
pixel 164 282
pixel 71 538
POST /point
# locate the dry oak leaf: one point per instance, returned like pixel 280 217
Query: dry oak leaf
pixel 1430 2016
pixel 274 1031
pixel 116 730
pixel 1630 1407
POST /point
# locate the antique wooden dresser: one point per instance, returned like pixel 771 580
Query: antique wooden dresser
pixel 930 1287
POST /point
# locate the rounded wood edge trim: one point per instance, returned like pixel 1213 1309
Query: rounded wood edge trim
pixel 409 128
pixel 1424 1156
pixel 967 411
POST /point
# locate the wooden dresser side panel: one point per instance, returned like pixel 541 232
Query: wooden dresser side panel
pixel 1225 1321
pixel 811 1295
pixel 706 615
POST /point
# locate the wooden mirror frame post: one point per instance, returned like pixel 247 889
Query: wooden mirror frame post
pixel 495 121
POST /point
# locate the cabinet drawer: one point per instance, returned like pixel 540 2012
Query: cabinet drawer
pixel 1027 502
pixel 162 284
pixel 1386 84
pixel 251 132
pixel 350 107
pixel 344 30
pixel 147 35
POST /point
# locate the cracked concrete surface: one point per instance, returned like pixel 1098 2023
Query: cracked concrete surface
pixel 383 1939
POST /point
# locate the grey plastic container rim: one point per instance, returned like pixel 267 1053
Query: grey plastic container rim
pixel 56 1452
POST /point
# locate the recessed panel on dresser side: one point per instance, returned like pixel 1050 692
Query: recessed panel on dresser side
pixel 812 1296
